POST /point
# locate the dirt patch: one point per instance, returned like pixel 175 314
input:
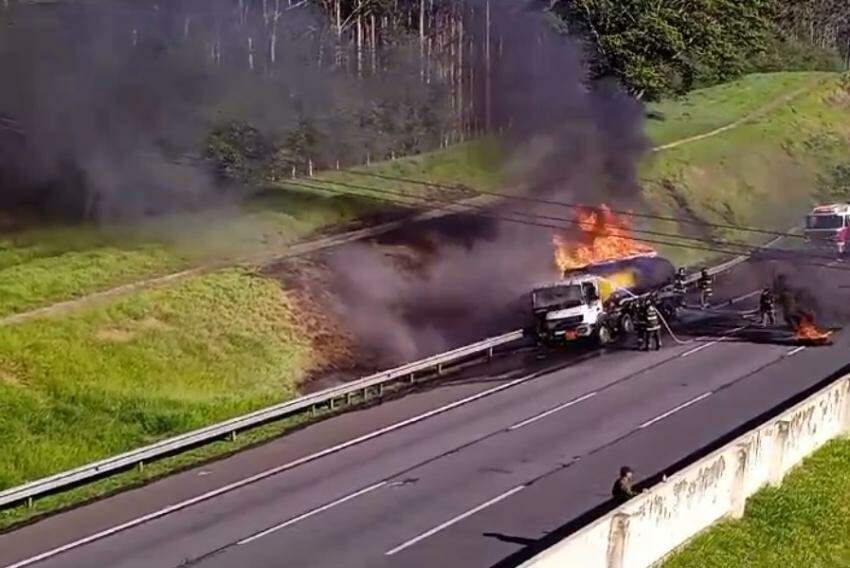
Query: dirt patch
pixel 7 377
pixel 115 335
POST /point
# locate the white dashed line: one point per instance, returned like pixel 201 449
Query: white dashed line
pixel 533 419
pixel 707 345
pixel 795 351
pixel 309 514
pixel 457 519
pixel 675 410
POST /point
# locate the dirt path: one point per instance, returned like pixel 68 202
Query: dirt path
pixel 298 249
pixel 764 111
pixel 344 238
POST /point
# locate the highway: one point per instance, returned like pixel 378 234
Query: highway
pixel 476 470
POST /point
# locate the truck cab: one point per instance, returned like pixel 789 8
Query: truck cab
pixel 570 309
pixel 828 227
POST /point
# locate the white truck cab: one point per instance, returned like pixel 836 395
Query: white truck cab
pixel 571 309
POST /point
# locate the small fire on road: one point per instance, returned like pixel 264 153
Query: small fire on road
pixel 603 237
pixel 809 334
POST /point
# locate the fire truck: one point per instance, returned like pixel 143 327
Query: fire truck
pixel 828 227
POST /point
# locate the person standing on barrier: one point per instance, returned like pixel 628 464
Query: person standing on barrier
pixel 623 490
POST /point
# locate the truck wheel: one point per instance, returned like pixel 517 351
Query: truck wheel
pixel 627 325
pixel 603 335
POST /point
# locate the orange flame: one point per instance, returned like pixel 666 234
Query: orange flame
pixel 807 331
pixel 605 237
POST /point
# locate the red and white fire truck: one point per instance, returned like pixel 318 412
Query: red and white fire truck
pixel 828 227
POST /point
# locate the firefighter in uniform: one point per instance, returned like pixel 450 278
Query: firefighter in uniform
pixel 640 323
pixel 705 289
pixel 680 287
pixel 652 324
pixel 767 308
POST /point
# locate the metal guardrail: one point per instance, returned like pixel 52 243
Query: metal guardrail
pixel 347 392
pixel 29 491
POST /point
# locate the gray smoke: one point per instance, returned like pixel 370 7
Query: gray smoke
pixel 569 141
pixel 105 106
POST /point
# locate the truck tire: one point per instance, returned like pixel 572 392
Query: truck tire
pixel 604 336
pixel 627 325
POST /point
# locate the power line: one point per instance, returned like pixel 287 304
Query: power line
pixel 747 248
pixel 713 249
pixel 569 205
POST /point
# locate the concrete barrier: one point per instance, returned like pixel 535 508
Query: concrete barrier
pixel 643 531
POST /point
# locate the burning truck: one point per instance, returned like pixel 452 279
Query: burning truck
pixel 606 273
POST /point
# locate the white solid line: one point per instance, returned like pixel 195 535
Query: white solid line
pixel 675 410
pixel 795 351
pixel 533 419
pixel 263 475
pixel 457 519
pixel 309 514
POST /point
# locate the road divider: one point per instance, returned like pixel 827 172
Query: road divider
pixel 646 529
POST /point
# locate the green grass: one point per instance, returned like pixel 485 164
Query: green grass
pixel 764 173
pixel 805 522
pixel 711 108
pixel 44 265
pixel 89 385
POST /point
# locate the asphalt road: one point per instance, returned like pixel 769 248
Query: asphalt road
pixel 521 448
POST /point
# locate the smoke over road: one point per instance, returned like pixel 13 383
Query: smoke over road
pixel 568 141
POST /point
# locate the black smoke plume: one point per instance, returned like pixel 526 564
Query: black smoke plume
pixel 569 140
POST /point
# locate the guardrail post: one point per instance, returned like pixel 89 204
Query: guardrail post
pixel 777 458
pixel 140 466
pixel 380 390
pixel 314 410
pixel 365 394
pixel 232 436
pixel 30 502
pixel 332 402
pixel 440 369
pixel 617 540
pixel 348 399
pixel 412 377
pixel 490 353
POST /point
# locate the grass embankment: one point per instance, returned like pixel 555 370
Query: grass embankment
pixel 765 172
pixel 117 374
pixel 46 265
pixel 805 522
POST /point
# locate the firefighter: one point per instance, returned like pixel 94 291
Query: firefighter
pixel 680 286
pixel 705 287
pixel 767 308
pixel 652 326
pixel 640 322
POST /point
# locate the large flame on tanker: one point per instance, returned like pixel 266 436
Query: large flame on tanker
pixel 603 236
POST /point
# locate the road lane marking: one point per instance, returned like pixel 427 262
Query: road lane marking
pixel 707 345
pixel 309 514
pixel 454 520
pixel 263 475
pixel 675 410
pixel 795 351
pixel 542 415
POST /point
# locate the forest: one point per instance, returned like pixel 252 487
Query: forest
pixel 235 93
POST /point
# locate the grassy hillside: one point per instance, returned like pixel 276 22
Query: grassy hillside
pixel 806 522
pixel 125 371
pixel 43 265
pixel 765 172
